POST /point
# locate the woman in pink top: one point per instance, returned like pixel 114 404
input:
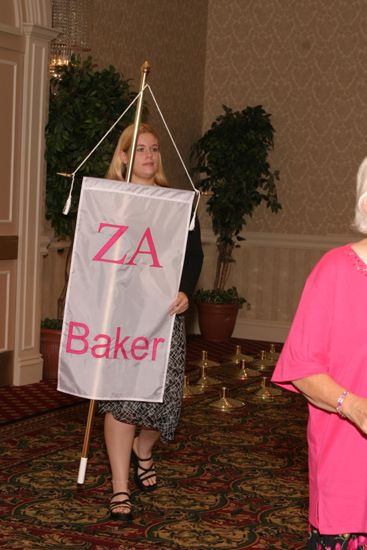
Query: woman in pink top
pixel 325 358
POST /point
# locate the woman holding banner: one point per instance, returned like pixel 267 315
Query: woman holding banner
pixel 157 420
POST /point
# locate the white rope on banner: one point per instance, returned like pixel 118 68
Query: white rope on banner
pixel 66 208
pixel 192 224
pixel 68 201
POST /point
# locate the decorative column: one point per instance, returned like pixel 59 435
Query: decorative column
pixel 27 366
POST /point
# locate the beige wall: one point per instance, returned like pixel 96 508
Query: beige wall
pixel 306 63
pixel 171 35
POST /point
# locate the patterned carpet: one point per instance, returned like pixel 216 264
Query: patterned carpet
pixel 17 402
pixel 231 480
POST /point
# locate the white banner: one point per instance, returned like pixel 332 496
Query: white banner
pixel 126 267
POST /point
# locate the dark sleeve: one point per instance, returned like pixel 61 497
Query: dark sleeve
pixel 193 261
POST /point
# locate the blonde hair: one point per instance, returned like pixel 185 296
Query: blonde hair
pixel 360 216
pixel 117 169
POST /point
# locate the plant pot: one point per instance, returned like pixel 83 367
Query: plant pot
pixel 49 347
pixel 217 321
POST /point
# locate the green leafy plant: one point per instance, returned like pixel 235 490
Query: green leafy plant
pixel 84 102
pixel 219 296
pixel 55 324
pixel 231 159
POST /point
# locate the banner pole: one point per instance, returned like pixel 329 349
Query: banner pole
pixel 145 69
pixel 85 450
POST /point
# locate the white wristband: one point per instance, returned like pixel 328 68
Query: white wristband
pixel 339 403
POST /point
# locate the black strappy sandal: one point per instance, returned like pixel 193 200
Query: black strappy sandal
pixel 146 473
pixel 121 516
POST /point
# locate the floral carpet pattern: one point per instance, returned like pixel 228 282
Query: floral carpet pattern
pixel 231 480
pixel 17 402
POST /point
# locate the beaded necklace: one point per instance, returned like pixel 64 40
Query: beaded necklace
pixel 357 261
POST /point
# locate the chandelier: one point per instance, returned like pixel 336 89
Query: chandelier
pixel 69 18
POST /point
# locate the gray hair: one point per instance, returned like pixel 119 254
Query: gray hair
pixel 360 215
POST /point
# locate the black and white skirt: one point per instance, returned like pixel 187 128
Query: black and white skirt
pixel 158 416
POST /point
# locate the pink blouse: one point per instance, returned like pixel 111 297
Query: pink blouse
pixel 329 335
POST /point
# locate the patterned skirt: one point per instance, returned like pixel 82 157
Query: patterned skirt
pixel 351 541
pixel 163 416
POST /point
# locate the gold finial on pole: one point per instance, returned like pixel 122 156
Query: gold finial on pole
pixel 145 69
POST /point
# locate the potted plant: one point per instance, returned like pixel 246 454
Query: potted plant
pixel 49 346
pixel 231 159
pixel 84 102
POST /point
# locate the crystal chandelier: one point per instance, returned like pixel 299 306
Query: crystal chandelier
pixel 69 18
